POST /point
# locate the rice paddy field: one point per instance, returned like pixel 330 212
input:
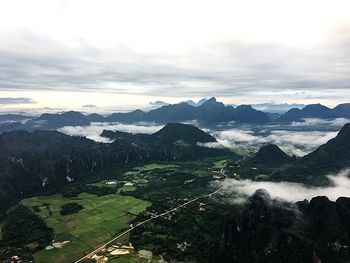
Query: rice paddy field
pixel 100 219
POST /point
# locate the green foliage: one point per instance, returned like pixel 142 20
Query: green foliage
pixel 70 208
pixel 22 227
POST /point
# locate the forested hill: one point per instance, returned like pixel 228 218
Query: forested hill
pixel 34 162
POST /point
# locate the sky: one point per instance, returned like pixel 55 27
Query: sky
pixel 123 54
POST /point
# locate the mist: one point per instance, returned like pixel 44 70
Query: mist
pixel 292 192
pixel 298 143
pixel 95 129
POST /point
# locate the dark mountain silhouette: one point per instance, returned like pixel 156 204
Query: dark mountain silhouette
pixel 271 230
pixel 35 162
pixel 316 111
pixel 49 121
pixel 173 132
pixel 209 111
pixel 328 158
pixel 14 117
pixel 271 154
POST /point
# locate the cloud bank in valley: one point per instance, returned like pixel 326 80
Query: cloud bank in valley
pixel 292 192
pixel 292 142
pixel 95 129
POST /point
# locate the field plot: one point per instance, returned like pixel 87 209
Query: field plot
pixel 99 220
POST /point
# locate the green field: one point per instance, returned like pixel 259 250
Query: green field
pixel 99 220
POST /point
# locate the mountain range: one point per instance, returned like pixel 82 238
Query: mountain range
pixel 39 161
pixel 310 169
pixel 206 110
pixel 316 111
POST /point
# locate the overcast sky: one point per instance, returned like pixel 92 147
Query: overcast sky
pixel 67 54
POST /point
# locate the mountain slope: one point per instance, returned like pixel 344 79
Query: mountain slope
pixel 316 111
pixel 173 132
pixel 271 230
pixel 271 154
pixel 328 158
pixel 39 161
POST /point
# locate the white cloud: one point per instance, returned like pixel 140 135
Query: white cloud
pixel 292 192
pixel 316 122
pixel 139 48
pixel 292 142
pixel 95 129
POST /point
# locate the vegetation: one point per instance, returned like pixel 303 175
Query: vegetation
pixel 23 232
pixel 70 208
pixel 101 218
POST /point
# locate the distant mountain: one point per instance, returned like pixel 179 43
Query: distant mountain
pixel 272 230
pixel 316 111
pixel 49 121
pixel 160 103
pixel 276 108
pixel 271 154
pixel 94 117
pixel 57 120
pixel 209 111
pixel 14 117
pixel 206 110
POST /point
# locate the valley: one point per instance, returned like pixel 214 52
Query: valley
pixel 163 197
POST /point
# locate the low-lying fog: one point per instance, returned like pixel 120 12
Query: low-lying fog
pixel 95 129
pixel 292 192
pixel 299 138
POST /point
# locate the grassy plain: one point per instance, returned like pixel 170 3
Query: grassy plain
pixel 100 219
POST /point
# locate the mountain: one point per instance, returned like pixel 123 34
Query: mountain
pixel 57 120
pixel 328 158
pixel 160 103
pixel 209 111
pixel 49 121
pixel 136 115
pixel 41 161
pixel 342 110
pixel 271 154
pixel 271 230
pixel 94 117
pixel 316 111
pixel 13 117
pixel 335 154
pixel 173 132
pixel 276 108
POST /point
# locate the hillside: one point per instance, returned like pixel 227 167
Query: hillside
pixel 328 158
pixel 39 161
pixel 316 111
pixel 270 154
pixel 276 231
pixel 173 132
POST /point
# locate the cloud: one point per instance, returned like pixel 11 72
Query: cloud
pixel 316 122
pixel 292 142
pixel 292 192
pixel 89 106
pixel 235 68
pixel 11 101
pixel 95 129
